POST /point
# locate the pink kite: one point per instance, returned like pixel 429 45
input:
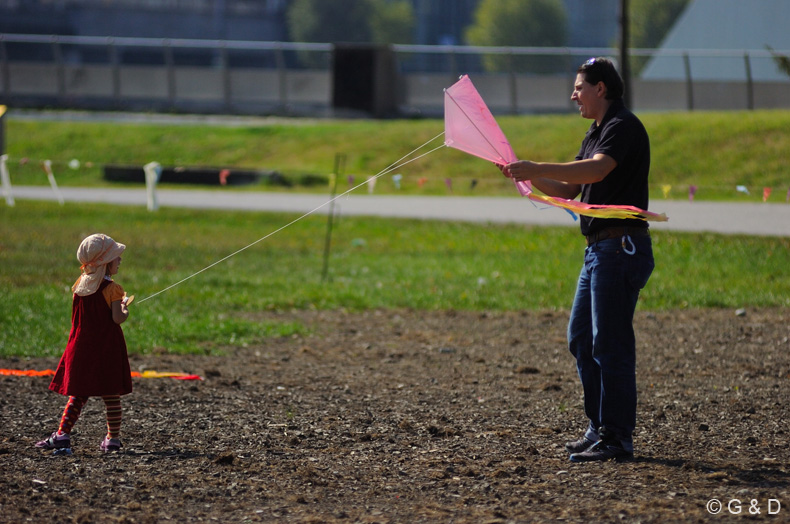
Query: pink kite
pixel 470 127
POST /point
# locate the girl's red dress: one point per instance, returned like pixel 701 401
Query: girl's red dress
pixel 95 362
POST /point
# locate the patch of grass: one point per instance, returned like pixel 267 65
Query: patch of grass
pixel 374 263
pixel 716 151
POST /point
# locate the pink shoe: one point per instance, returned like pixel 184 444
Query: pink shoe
pixel 55 441
pixel 109 445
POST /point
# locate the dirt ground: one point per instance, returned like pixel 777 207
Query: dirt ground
pixel 403 416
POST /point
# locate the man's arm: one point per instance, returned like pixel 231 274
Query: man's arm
pixel 556 188
pixel 561 179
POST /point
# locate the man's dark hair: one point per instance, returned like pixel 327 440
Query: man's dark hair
pixel 601 69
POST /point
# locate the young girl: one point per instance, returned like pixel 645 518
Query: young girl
pixel 95 362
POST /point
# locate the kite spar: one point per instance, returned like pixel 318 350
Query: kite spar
pixel 470 127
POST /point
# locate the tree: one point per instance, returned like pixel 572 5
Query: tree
pixel 363 21
pixel 348 21
pixel 518 23
pixel 337 21
pixel 782 61
pixel 392 22
pixel 651 20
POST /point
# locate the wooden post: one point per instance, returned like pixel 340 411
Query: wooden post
pixel 2 130
pixel 340 161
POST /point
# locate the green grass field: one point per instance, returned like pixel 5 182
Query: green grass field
pixel 374 263
pixel 715 151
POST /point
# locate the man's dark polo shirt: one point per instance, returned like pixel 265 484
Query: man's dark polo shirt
pixel 623 137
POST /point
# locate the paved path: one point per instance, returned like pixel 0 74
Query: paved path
pixel 720 217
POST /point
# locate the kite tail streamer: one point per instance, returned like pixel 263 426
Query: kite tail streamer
pixel 574 207
pixel 599 211
pixel 145 374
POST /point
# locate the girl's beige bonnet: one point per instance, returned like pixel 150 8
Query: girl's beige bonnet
pixel 94 253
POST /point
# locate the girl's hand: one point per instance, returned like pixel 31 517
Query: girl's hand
pixel 119 310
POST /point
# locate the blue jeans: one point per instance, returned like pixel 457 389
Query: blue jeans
pixel 601 333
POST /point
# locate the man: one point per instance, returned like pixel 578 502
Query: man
pixel 611 168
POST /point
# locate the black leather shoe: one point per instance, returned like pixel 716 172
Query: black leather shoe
pixel 577 446
pixel 602 451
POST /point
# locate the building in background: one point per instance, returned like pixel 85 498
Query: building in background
pixel 724 28
pixel 257 20
pixel 593 23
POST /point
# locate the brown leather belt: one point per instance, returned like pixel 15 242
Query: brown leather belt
pixel 616 232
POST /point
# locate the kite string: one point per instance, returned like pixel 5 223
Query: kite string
pixel 395 165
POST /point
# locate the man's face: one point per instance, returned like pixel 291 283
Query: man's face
pixel 586 96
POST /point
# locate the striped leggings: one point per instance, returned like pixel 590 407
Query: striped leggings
pixel 74 408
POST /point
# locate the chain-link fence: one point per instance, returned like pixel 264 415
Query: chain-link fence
pixel 282 78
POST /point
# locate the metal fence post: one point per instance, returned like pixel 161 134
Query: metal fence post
pixel 689 82
pixel 6 71
pixel 167 50
pixel 453 65
pixel 282 81
pixel 569 66
pixel 225 68
pixel 115 64
pixel 57 54
pixel 749 82
pixel 513 84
